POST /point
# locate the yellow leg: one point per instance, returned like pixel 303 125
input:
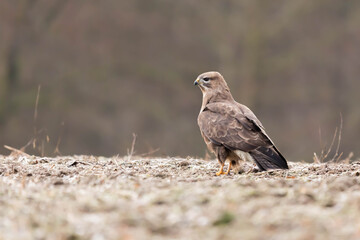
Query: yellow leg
pixel 221 170
pixel 228 171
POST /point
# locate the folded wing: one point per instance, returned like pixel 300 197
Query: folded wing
pixel 235 127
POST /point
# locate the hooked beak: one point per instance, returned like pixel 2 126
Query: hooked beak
pixel 197 81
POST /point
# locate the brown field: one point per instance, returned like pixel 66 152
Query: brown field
pixel 86 197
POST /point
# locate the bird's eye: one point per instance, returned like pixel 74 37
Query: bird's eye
pixel 206 79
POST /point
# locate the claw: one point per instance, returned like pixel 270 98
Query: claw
pixel 228 171
pixel 221 170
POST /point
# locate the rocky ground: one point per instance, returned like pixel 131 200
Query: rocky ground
pixel 86 197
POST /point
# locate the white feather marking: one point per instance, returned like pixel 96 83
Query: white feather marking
pixel 244 156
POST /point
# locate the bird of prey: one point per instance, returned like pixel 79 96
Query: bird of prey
pixel 231 130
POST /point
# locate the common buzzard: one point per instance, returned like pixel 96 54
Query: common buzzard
pixel 231 130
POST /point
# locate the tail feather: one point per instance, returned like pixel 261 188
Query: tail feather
pixel 269 158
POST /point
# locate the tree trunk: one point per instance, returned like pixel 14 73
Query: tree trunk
pixel 10 79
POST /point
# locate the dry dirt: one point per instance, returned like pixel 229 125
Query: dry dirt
pixel 86 197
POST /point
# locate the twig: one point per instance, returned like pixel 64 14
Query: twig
pixel 348 158
pixel 26 145
pixel 336 156
pixel 57 151
pixel 316 159
pixel 340 155
pixel 339 140
pixel 42 148
pixel 322 146
pixel 35 117
pixel 130 154
pixel 16 150
pixel 149 153
pixel 321 143
pixel 37 103
pixel 331 145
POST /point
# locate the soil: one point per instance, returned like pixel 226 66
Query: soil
pixel 87 197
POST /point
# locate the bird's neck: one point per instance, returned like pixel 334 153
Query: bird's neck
pixel 216 96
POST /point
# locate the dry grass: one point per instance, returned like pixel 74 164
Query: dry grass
pixel 324 154
pixel 86 197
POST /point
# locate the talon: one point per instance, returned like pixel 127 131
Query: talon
pixel 221 170
pixel 228 171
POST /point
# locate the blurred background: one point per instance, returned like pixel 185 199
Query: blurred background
pixel 108 69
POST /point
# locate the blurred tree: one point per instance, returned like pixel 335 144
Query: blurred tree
pixel 112 68
pixel 31 19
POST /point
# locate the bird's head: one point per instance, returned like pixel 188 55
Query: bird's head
pixel 211 82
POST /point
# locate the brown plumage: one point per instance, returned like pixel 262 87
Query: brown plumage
pixel 231 130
